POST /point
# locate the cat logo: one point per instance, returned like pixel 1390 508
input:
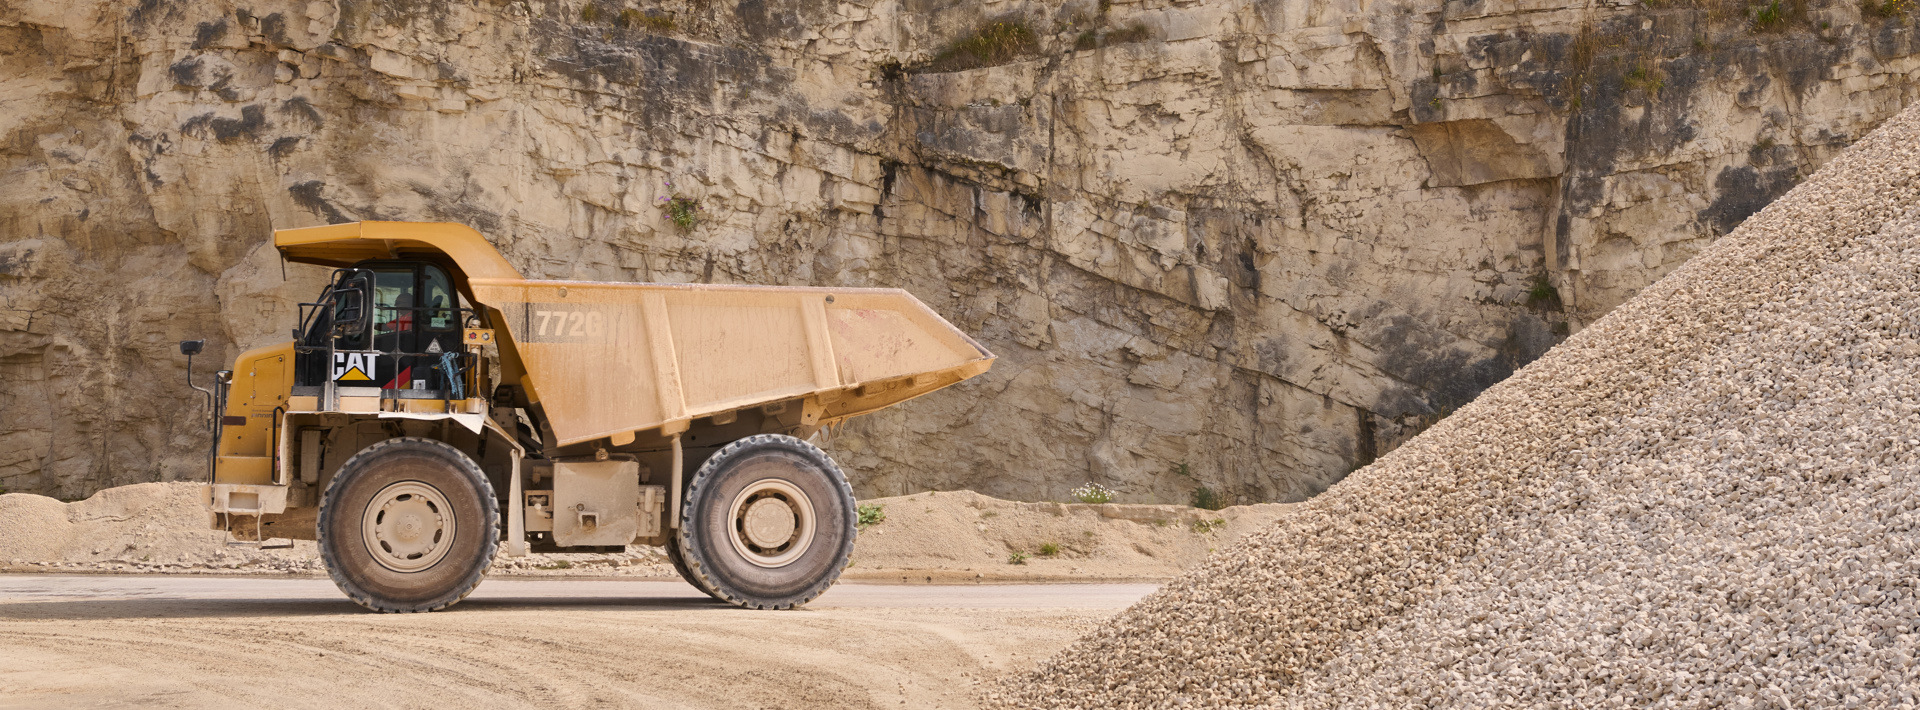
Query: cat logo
pixel 353 367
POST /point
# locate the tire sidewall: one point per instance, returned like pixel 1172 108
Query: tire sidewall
pixel 679 562
pixel 708 550
pixel 473 506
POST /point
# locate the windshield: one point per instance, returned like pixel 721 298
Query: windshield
pixel 393 293
pixel 439 297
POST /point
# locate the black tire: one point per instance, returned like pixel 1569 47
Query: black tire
pixel 729 559
pixel 680 565
pixel 437 489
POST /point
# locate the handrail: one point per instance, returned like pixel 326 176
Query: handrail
pixel 409 319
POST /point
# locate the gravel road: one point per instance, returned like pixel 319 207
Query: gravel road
pixel 110 641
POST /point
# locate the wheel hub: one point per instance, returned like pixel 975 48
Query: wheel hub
pixel 772 522
pixel 408 526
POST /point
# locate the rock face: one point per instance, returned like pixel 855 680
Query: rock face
pixel 1243 245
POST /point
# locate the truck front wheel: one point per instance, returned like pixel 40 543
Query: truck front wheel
pixel 408 525
pixel 768 523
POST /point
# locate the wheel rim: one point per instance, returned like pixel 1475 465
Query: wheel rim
pixel 408 526
pixel 770 522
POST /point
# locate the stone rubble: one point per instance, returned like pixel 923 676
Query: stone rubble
pixel 1707 499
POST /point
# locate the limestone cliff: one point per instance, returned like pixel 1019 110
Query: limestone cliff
pixel 1247 245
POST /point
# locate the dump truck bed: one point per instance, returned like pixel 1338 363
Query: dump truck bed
pixel 605 359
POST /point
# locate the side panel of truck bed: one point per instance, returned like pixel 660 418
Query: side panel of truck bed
pixel 611 358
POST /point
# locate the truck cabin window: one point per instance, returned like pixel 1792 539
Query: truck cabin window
pixel 440 299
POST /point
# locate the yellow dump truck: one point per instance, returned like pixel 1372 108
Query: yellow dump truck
pixel 431 391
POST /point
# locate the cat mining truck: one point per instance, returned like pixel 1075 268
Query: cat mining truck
pixel 431 391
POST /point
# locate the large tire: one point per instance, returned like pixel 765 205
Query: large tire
pixel 768 523
pixel 408 525
pixel 680 565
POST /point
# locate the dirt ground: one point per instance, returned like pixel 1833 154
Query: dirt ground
pixel 185 641
pixel 148 608
pixel 949 537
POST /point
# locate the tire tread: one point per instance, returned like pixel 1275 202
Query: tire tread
pixel 491 547
pixel 704 477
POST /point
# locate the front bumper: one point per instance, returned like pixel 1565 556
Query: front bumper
pixel 245 498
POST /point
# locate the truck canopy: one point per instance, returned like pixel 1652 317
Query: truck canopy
pixel 342 245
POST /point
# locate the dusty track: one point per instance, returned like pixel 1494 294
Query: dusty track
pixel 192 642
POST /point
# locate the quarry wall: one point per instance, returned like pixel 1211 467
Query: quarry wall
pixel 1243 245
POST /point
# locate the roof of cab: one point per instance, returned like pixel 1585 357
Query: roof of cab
pixel 347 244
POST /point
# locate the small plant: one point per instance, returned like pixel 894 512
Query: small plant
pixel 1136 32
pixel 1048 549
pixel 1206 499
pixel 1769 17
pixel 590 13
pixel 1646 77
pixel 1016 558
pixel 1093 493
pixel 1206 526
pixel 1888 8
pixel 557 564
pixel 989 514
pixel 1086 40
pixel 1541 291
pixel 684 212
pixel 1580 55
pixel 872 514
pixel 994 44
pixel 1183 470
pixel 635 19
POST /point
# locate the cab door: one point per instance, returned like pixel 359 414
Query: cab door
pixel 416 317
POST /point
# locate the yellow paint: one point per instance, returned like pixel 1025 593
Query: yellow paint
pixel 256 470
pixel 262 382
pixel 612 359
pixel 348 244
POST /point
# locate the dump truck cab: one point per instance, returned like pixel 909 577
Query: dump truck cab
pixel 433 408
pixel 415 314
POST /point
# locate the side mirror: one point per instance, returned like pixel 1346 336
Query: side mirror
pixel 347 312
pixel 191 348
pixel 351 318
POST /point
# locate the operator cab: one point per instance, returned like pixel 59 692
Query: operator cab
pixel 393 325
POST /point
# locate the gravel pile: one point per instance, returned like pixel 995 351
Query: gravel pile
pixel 1707 499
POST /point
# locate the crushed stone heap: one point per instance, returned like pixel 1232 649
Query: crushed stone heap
pixel 1706 499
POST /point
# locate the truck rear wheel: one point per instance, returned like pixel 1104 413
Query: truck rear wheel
pixel 768 523
pixel 680 565
pixel 408 525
